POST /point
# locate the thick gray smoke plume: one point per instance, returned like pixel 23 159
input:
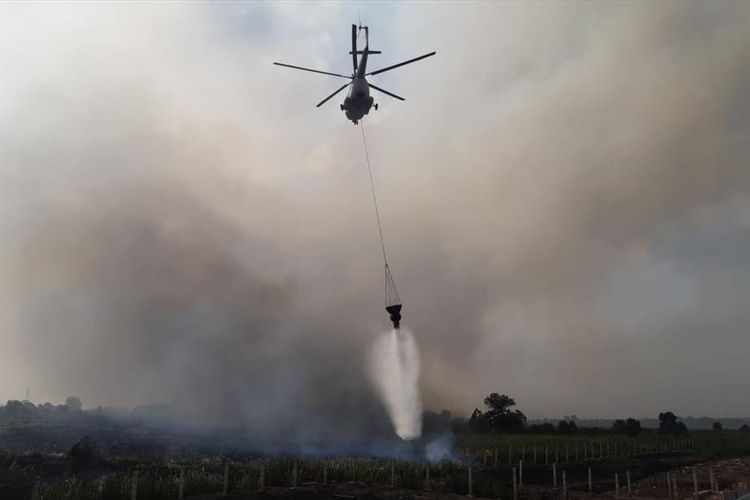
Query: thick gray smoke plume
pixel 564 196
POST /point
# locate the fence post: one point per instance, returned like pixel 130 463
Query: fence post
pixel 617 485
pixel 695 482
pixel 35 491
pixel 546 456
pixel 711 479
pixel 226 477
pixel 674 487
pixel 520 473
pixel 590 485
pixel 181 486
pixel 325 473
pixel 669 486
pixel 262 477
pixel 523 452
pixel 627 474
pixel 533 455
pixel 427 477
pixel 554 475
pixel 134 487
pixel 510 453
pixel 294 475
pixel 496 457
pixel 393 474
pixel 515 485
pixel 565 486
pixel 471 486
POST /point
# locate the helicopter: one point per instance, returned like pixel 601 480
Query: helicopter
pixel 358 102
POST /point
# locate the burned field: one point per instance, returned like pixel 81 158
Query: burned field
pixel 51 461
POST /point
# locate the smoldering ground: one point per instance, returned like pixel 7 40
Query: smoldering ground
pixel 179 224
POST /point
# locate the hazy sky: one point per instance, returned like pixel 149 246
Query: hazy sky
pixel 565 195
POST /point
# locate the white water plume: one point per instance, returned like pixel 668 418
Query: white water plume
pixel 394 370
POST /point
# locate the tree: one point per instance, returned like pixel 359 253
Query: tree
pixel 545 428
pixel 478 421
pixel 745 428
pixel 632 427
pixel 499 415
pixel 73 403
pixel 717 427
pixel 568 427
pixel 668 424
pixel 619 426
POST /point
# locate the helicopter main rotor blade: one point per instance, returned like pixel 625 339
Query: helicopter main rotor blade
pixel 401 64
pixel 337 91
pixel 386 92
pixel 312 70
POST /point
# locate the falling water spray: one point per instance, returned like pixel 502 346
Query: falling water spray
pixel 394 371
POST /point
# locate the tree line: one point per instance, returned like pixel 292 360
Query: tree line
pixel 500 416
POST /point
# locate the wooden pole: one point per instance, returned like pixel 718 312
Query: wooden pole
pixel 510 453
pixel 669 486
pixel 695 482
pixel 294 475
pixel 533 455
pixel 393 474
pixel 226 477
pixel 627 474
pixel 520 473
pixel 134 487
pixel 496 457
pixel 711 479
pixel 181 486
pixel 325 473
pixel 590 485
pixel 427 477
pixel 617 485
pixel 565 486
pixel 262 477
pixel 471 485
pixel 515 485
pixel 554 475
pixel 674 487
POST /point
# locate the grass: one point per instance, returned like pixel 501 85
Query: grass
pixel 158 478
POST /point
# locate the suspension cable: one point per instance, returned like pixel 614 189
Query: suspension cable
pixel 374 198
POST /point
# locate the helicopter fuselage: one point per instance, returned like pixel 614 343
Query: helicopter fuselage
pixel 359 101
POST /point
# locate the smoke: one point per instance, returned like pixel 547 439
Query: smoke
pixel 440 448
pixel 394 371
pixel 564 196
